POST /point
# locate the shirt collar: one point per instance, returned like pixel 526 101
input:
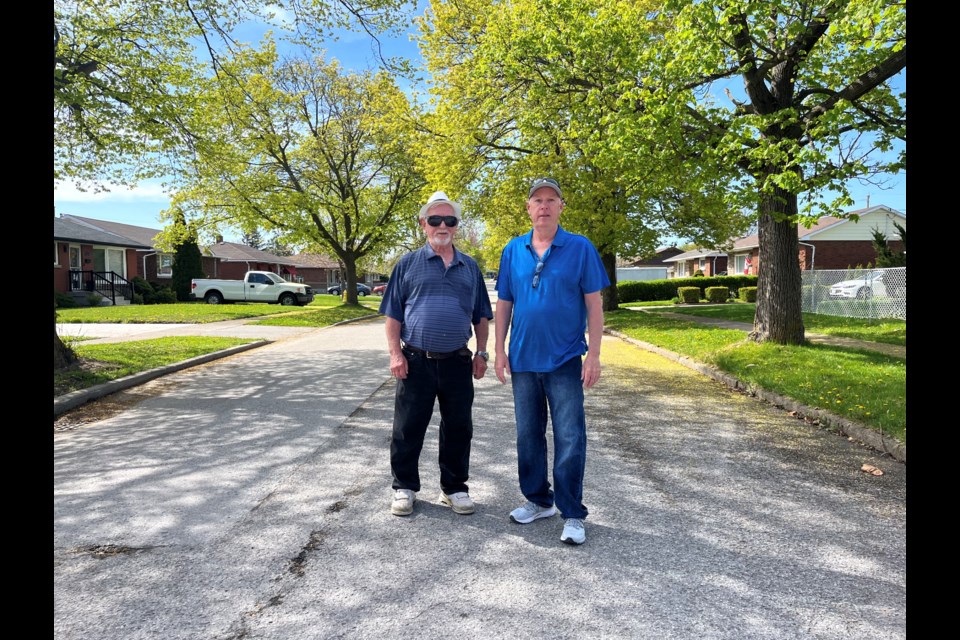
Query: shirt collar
pixel 457 256
pixel 558 239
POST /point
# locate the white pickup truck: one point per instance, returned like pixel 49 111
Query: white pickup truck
pixel 256 286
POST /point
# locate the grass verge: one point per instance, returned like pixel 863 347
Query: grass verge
pixel 100 363
pixel 859 385
pixel 888 331
pixel 194 312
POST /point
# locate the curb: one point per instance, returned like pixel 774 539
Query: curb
pixel 62 404
pixel 857 431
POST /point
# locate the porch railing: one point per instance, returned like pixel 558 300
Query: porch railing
pixel 108 284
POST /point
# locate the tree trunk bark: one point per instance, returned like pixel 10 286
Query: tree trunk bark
pixel 63 356
pixel 349 293
pixel 610 295
pixel 779 316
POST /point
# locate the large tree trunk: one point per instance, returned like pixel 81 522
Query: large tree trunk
pixel 349 293
pixel 610 295
pixel 63 356
pixel 778 318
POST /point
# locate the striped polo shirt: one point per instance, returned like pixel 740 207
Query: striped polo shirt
pixel 436 305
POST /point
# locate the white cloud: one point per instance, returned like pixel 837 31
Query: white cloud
pixel 144 192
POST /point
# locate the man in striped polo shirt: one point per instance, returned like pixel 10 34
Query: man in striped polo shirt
pixel 435 300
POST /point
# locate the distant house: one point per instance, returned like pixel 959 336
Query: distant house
pixel 651 268
pixel 232 260
pixel 89 253
pixel 709 261
pixel 317 270
pixel 148 262
pixel 88 258
pixel 831 243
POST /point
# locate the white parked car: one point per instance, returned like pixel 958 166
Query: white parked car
pixel 861 288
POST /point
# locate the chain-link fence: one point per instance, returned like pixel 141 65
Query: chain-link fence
pixel 856 293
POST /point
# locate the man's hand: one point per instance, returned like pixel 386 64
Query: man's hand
pixel 502 367
pixel 398 365
pixel 591 370
pixel 479 367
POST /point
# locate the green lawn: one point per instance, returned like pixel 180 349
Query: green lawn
pixel 103 362
pixel 888 331
pixel 864 386
pixel 197 312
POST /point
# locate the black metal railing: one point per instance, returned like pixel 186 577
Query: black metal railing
pixel 108 284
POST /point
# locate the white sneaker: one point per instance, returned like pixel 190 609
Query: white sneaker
pixel 460 502
pixel 573 532
pixel 403 500
pixel 531 511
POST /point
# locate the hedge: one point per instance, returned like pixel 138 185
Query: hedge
pixel 657 290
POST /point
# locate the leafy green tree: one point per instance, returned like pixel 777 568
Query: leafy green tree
pixel 304 151
pixel 125 73
pixel 817 110
pixel 533 88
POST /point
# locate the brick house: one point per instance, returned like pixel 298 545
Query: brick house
pixel 831 243
pixel 317 270
pixel 88 258
pixel 142 258
pixel 709 261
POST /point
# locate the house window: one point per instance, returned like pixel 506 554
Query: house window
pixel 739 263
pixel 681 269
pixel 56 254
pixel 165 265
pixel 703 264
pixel 108 259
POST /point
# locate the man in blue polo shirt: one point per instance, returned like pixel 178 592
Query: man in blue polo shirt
pixel 548 292
pixel 436 295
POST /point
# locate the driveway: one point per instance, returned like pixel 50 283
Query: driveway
pixel 249 498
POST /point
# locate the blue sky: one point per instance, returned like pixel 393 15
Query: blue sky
pixel 142 205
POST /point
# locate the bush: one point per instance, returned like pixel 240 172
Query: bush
pixel 94 299
pixel 665 289
pixel 144 289
pixel 63 300
pixel 748 294
pixel 689 295
pixel 717 294
pixel 698 274
pixel 164 295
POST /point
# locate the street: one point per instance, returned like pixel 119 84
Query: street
pixel 249 498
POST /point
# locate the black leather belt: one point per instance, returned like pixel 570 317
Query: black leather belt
pixel 437 355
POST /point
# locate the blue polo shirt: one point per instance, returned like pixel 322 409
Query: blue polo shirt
pixel 437 306
pixel 549 321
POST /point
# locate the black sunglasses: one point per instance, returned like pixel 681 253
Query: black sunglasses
pixel 450 221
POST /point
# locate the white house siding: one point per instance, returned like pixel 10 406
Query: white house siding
pixel 863 228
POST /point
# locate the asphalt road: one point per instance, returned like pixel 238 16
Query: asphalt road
pixel 249 498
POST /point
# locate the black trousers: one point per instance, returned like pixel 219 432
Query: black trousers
pixel 450 382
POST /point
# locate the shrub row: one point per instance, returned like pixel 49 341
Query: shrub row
pixel 654 290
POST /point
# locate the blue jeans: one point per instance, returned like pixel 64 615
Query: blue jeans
pixel 449 382
pixel 562 391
